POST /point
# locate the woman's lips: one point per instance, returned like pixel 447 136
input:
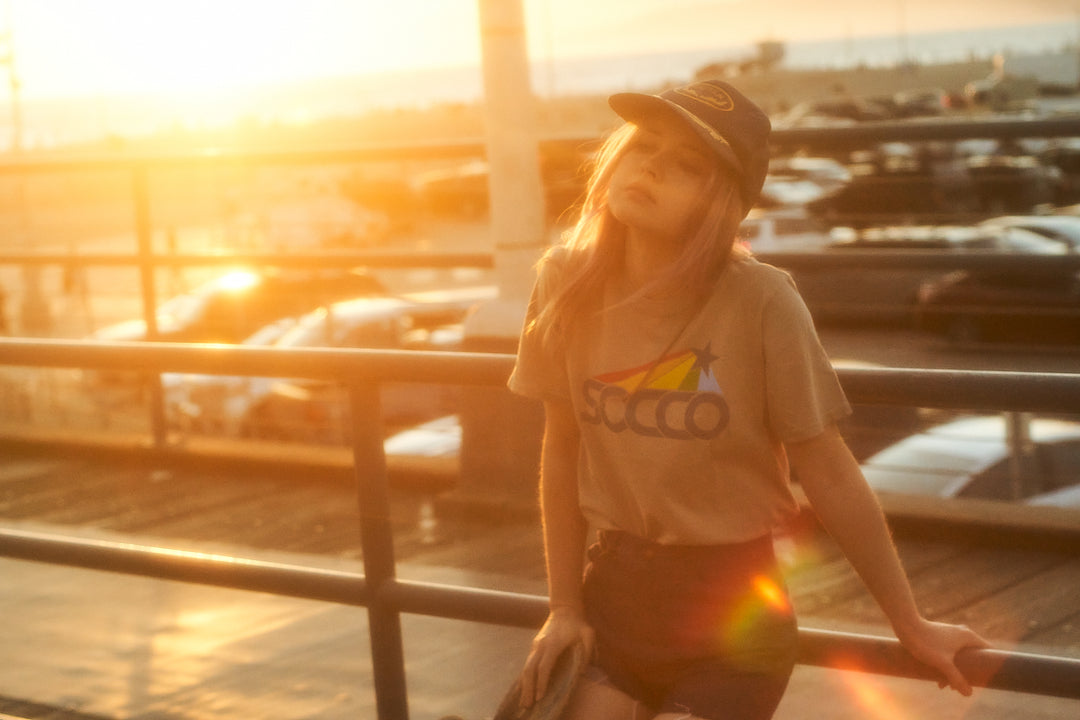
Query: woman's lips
pixel 639 192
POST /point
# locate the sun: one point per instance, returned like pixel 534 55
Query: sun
pixel 189 47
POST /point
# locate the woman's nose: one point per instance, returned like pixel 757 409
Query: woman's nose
pixel 653 164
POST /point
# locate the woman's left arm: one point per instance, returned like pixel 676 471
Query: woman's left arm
pixel 848 509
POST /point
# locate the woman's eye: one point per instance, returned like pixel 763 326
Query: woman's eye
pixel 693 167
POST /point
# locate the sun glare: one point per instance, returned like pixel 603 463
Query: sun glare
pixel 873 698
pixel 193 47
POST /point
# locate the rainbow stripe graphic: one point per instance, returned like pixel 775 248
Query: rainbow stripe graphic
pixel 687 370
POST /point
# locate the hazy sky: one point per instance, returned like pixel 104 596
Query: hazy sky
pixel 93 47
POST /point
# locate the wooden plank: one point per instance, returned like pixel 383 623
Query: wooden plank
pixel 1027 608
pixel 820 586
pixel 955 583
pixel 1062 637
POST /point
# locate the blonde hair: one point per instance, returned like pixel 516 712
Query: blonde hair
pixel 593 249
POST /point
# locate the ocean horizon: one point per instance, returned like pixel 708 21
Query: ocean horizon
pixel 54 122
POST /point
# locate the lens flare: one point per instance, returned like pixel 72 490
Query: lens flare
pixel 773 595
pixel 764 603
pixel 878 703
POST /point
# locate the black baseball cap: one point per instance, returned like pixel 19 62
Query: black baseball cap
pixel 729 122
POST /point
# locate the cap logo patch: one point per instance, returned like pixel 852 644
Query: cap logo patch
pixel 710 95
pixel 706 127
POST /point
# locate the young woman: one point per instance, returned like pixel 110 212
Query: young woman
pixel 683 382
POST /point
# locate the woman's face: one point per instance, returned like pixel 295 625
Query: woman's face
pixel 658 182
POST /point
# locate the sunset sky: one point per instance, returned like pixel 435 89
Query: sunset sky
pixel 95 47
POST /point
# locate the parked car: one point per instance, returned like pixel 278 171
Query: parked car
pixel 201 403
pixel 314 411
pixel 897 186
pixel 972 457
pixel 825 172
pixel 462 191
pixel 782 229
pixel 1063 230
pixel 243 405
pixel 1020 306
pixel 231 307
pixel 438 438
pixel 1066 497
pixel 889 293
pixel 999 237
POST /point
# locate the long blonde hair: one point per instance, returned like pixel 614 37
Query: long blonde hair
pixel 593 248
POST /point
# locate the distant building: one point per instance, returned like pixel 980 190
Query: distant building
pixel 1057 69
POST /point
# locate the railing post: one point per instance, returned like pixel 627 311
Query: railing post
pixel 145 239
pixel 377 548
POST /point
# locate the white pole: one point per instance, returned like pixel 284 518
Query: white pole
pixel 500 448
pixel 517 222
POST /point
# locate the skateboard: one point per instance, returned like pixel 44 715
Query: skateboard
pixel 563 678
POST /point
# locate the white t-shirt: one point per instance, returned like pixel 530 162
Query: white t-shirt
pixel 687 448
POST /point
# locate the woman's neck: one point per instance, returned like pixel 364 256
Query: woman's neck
pixel 645 259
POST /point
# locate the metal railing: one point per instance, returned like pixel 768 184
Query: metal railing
pixel 378 588
pixel 386 597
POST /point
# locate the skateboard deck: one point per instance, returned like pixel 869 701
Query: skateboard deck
pixel 563 678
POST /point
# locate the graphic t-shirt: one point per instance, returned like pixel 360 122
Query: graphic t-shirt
pixel 683 423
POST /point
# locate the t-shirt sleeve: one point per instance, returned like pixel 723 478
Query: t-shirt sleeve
pixel 803 394
pixel 540 371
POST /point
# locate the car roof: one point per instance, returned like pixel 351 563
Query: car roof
pixel 1067 227
pixel 1067 497
pixel 344 313
pixel 939 460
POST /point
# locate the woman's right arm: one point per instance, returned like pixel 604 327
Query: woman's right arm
pixel 564 546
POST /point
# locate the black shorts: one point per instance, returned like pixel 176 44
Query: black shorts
pixel 702 629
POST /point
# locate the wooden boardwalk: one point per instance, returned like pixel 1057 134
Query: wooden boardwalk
pixel 82 644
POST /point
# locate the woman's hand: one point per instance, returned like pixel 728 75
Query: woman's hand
pixel 564 627
pixel 936 645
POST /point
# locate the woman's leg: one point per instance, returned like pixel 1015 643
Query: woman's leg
pixel 595 698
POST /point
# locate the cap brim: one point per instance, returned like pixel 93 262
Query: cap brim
pixel 638 108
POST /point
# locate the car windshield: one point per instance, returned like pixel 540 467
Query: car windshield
pixel 189 307
pixel 313 330
pixel 1023 240
pixel 269 334
pixel 934 454
pixel 181 310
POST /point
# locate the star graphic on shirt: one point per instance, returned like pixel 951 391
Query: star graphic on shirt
pixel 704 357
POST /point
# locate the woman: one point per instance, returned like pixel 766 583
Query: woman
pixel 682 384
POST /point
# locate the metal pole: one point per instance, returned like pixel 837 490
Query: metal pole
pixel 489 452
pixel 34 315
pixel 513 152
pixel 144 237
pixel 377 548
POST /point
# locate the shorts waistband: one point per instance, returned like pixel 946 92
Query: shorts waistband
pixel 613 540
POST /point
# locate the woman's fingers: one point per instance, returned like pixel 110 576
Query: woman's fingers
pixel 937 646
pixel 538 667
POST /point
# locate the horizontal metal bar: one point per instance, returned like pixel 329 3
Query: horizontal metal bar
pixel 373 258
pixel 212 157
pixel 963 389
pixel 945 389
pixel 943 260
pixel 829 137
pixel 916 130
pixel 185 566
pixel 1011 671
pixel 463 603
pixel 1054 676
pixel 342 365
pixel 830 258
